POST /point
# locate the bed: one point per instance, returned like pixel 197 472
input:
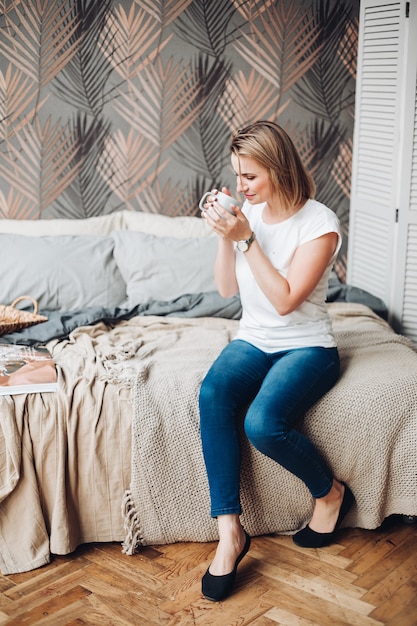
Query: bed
pixel 114 454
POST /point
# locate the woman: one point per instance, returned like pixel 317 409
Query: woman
pixel 277 252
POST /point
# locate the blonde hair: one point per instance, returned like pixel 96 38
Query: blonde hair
pixel 269 145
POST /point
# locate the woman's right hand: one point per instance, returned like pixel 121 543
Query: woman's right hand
pixel 221 222
pixel 212 209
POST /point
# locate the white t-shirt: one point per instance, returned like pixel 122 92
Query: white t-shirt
pixel 261 324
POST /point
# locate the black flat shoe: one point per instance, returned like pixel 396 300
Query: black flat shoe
pixel 217 588
pixel 308 538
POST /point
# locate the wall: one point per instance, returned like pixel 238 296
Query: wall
pixel 110 104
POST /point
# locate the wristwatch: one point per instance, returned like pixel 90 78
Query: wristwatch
pixel 243 245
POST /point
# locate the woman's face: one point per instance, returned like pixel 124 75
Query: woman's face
pixel 252 179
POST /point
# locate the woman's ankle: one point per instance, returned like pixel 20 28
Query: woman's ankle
pixel 231 543
pixel 326 509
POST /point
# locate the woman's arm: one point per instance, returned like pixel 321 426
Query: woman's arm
pixel 306 269
pixel 285 294
pixel 224 269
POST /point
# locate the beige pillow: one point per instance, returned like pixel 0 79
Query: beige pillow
pixel 100 225
pixel 166 226
pixel 154 224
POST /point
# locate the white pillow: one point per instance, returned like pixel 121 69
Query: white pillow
pixel 63 273
pixel 164 268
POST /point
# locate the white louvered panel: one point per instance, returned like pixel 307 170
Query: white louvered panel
pixel 376 135
pixel 409 318
pixel 382 246
pixel 407 240
pixel 376 149
pixel 413 189
pixel 370 261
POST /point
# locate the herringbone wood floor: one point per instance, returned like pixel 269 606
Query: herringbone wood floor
pixel 368 578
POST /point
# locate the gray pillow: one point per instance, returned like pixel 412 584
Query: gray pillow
pixel 63 272
pixel 164 268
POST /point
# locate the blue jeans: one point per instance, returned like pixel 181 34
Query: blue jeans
pixel 278 388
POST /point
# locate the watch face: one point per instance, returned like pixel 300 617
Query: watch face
pixel 242 246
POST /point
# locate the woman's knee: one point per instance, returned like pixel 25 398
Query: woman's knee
pixel 206 388
pixel 212 388
pixel 261 432
pixel 216 401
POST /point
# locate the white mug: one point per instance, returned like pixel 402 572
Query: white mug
pixel 223 199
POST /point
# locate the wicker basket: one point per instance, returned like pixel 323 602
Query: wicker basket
pixel 12 319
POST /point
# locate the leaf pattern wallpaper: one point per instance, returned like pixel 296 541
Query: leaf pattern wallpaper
pixel 130 104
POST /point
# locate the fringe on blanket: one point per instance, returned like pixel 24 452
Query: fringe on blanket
pixel 120 364
pixel 134 533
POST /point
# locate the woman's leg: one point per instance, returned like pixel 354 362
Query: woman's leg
pixel 296 381
pixel 229 386
pixel 231 383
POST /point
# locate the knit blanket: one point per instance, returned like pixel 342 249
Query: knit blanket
pixel 365 427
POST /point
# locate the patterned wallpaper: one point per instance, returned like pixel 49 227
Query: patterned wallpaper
pixel 111 104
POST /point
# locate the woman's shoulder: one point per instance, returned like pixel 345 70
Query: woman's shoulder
pixel 314 206
pixel 316 211
pixel 316 219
